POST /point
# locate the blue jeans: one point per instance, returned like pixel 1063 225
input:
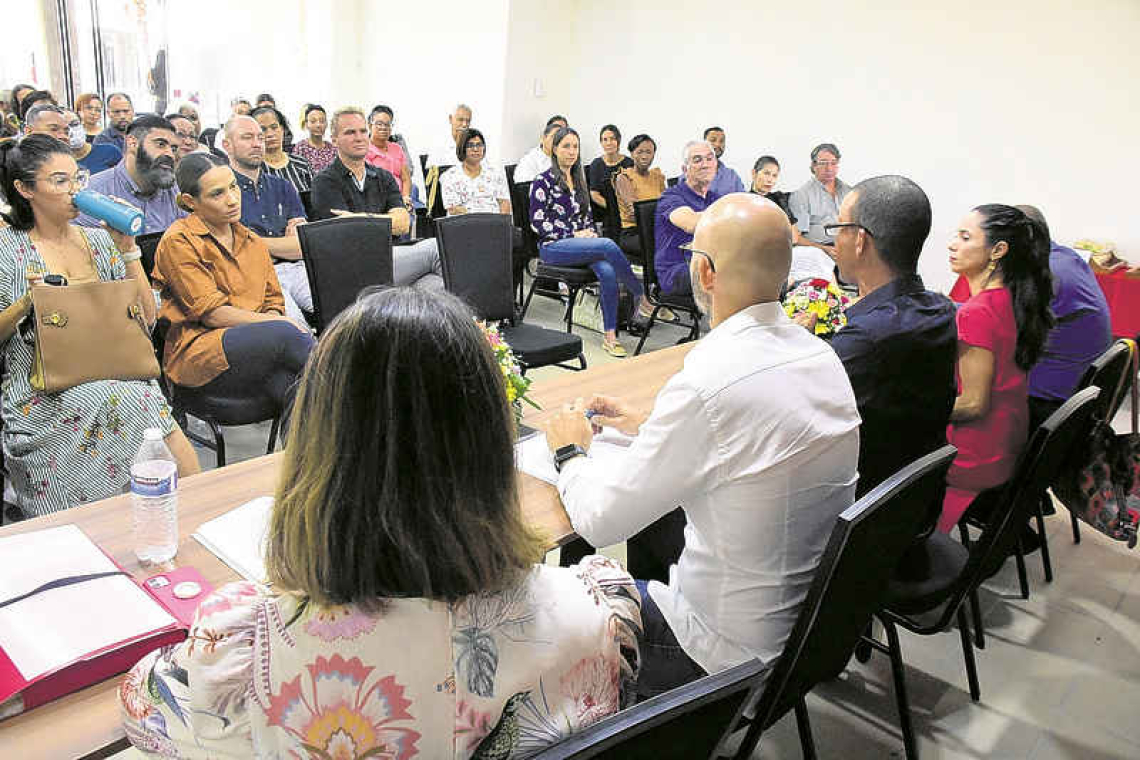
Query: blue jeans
pixel 608 262
pixel 664 664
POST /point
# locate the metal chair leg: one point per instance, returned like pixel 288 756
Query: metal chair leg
pixel 976 614
pixel 648 327
pixel 219 443
pixel 1022 576
pixel 803 724
pixel 1076 528
pixel 1046 560
pixel 529 295
pixel 898 673
pixel 273 435
pixel 571 302
pixel 968 655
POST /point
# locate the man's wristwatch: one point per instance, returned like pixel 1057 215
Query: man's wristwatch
pixel 565 453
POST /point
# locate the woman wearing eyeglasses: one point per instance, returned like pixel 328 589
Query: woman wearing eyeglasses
pixel 385 154
pixel 72 447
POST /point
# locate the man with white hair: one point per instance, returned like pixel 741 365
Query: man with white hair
pixel 678 211
pixel 443 154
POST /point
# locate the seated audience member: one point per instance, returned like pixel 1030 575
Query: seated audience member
pixel 560 217
pixel 816 203
pixel 228 334
pixel 444 153
pixel 271 208
pixel 384 154
pixel 1083 329
pixel 120 112
pixel 94 159
pixel 18 93
pixel 145 176
pixel 471 186
pixel 765 174
pixel 187 135
pixel 314 148
pixel 75 446
pixel 190 111
pixel 757 439
pixel 899 346
pixel 1002 329
pixel 263 100
pixel 537 159
pixel 678 212
pixel 602 170
pixel 278 163
pixel 33 99
pixel 492 655
pixel 90 109
pixel 726 180
pixel 240 107
pixel 48 119
pixel 349 185
pixel 637 183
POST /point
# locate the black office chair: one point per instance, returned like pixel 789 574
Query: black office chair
pixel 148 246
pixel 342 257
pixel 520 214
pixel 213 410
pixel 1112 373
pixel 307 202
pixel 645 213
pixel 476 253
pixel 509 170
pixel 930 603
pixel 547 275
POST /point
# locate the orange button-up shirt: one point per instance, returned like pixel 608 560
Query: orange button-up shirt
pixel 197 275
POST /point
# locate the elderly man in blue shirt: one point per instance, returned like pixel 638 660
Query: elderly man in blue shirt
pixel 271 207
pixel 678 210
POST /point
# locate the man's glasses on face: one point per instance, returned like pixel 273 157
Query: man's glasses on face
pixel 827 164
pixel 475 146
pixel 689 247
pixel 699 160
pixel 832 230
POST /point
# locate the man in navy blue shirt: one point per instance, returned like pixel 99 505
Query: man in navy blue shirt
pixel 121 113
pixel 271 207
pixel 900 343
pixel 678 210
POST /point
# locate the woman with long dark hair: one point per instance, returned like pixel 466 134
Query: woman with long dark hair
pixel 560 216
pixel 75 446
pixel 409 613
pixel 1003 256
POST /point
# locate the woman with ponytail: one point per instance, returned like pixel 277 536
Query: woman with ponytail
pixel 1002 257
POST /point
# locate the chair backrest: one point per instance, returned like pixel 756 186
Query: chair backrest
pixel 1048 448
pixel 689 721
pixel 865 548
pixel 520 208
pixel 1111 372
pixel 509 170
pixel 672 181
pixel 645 214
pixel 307 202
pixel 475 250
pixel 148 245
pixel 342 257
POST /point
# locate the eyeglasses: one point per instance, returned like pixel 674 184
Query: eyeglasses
pixel 475 146
pixel 689 247
pixel 382 124
pixel 831 230
pixel 827 164
pixel 60 182
pixel 698 160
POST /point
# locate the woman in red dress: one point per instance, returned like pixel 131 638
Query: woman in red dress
pixel 1004 258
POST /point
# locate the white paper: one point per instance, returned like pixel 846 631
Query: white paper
pixel 238 537
pixel 534 457
pixel 50 629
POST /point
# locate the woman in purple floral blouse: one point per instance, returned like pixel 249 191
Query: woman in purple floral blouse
pixel 314 148
pixel 560 216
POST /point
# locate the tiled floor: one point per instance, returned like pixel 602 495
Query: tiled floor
pixel 1060 674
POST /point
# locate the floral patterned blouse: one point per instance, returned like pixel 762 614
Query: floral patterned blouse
pixel 318 158
pixel 491 676
pixel 554 213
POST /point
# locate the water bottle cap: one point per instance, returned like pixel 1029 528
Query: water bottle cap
pixel 152 434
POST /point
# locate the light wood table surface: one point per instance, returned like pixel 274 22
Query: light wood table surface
pixel 86 723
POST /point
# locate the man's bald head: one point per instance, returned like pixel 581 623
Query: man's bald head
pixel 750 242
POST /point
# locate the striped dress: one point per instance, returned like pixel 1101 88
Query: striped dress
pixel 76 446
pixel 297 171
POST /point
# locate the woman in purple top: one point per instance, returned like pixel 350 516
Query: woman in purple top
pixel 560 216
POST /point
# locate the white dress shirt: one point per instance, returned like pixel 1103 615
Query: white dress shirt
pixel 757 438
pixel 534 163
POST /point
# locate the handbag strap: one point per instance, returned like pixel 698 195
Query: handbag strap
pixel 1134 364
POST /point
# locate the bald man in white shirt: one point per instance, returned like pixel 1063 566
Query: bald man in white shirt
pixel 757 438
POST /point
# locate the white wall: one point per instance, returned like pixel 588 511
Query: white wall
pixel 1017 101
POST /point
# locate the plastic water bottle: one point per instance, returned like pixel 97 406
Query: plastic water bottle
pixel 154 499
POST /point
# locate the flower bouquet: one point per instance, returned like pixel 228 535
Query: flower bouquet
pixel 820 297
pixel 517 384
pixel 1103 256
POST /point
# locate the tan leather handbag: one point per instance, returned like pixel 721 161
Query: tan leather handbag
pixel 90 331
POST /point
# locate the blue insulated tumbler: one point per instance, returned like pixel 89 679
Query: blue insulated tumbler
pixel 120 215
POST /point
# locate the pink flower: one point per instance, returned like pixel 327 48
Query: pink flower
pixel 592 684
pixel 339 622
pixel 225 598
pixel 132 693
pixel 471 724
pixel 343 713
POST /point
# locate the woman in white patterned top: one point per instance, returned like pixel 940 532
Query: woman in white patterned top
pixel 470 187
pixel 408 616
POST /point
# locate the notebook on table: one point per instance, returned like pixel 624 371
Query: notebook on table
pixel 69 617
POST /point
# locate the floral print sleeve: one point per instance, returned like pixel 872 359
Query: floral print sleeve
pixel 554 213
pixel 610 582
pixel 189 699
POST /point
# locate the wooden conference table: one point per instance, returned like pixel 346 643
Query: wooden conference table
pixel 87 722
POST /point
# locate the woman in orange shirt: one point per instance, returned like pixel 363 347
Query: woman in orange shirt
pixel 228 333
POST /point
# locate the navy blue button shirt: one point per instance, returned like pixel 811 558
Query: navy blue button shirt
pixel 669 259
pixel 268 205
pixel 899 348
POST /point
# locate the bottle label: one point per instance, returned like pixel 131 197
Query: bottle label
pixel 159 478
